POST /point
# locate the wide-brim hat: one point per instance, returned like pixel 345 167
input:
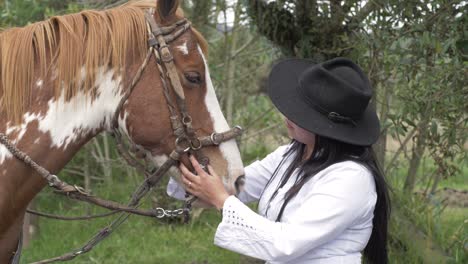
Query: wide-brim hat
pixel 330 99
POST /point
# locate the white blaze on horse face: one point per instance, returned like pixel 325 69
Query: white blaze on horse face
pixel 67 120
pixel 183 48
pixel 229 148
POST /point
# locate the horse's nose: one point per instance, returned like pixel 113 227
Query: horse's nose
pixel 239 184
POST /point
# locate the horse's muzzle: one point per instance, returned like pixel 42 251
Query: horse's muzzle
pixel 239 184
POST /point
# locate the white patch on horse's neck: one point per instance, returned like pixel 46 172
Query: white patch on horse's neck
pixel 27 118
pixel 4 154
pixel 229 149
pixel 67 120
pixel 183 48
pixel 39 83
pixel 21 128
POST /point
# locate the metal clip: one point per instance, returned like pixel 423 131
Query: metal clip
pixel 196 144
pixel 53 180
pixel 213 138
pixel 182 139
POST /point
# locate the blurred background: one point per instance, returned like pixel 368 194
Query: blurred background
pixel 415 53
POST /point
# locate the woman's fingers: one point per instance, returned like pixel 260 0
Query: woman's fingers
pixel 197 166
pixel 211 171
pixel 188 175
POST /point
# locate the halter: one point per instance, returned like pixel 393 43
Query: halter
pixel 186 141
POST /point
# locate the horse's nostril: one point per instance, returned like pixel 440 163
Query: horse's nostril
pixel 239 183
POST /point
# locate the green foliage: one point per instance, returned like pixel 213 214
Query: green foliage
pixel 22 12
pixel 432 236
pixel 420 75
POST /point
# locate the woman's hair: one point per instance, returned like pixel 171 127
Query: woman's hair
pixel 328 152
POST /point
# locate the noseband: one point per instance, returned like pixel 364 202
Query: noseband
pixel 186 141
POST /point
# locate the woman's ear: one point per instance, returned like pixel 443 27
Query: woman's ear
pixel 166 10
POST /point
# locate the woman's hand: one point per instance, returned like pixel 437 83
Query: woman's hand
pixel 207 187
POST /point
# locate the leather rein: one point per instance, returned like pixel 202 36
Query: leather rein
pixel 186 142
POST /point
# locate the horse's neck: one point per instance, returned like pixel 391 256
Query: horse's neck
pixel 52 131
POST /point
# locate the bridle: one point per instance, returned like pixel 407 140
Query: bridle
pixel 181 122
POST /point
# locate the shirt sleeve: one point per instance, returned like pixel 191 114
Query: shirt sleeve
pixel 332 205
pixel 259 173
pixel 175 190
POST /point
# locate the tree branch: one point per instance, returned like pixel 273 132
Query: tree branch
pixel 274 22
pixel 362 14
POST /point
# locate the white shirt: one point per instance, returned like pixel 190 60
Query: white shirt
pixel 328 221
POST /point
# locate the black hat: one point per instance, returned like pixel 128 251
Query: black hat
pixel 330 99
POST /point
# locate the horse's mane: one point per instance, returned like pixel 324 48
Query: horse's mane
pixel 69 47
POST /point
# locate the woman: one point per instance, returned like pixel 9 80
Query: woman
pixel 322 198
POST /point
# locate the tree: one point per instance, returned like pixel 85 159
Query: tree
pixel 414 53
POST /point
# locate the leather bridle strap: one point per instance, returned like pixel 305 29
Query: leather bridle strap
pixel 182 127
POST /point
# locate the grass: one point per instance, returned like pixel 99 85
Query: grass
pixel 454 232
pixel 138 240
pixel 458 181
pixel 144 240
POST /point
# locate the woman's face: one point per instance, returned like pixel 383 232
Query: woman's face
pixel 299 134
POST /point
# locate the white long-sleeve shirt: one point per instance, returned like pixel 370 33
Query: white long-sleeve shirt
pixel 328 221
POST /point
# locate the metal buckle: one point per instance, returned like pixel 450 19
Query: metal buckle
pixel 213 138
pixel 182 139
pixel 196 146
pixel 187 120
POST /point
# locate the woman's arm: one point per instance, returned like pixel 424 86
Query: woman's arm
pixel 258 173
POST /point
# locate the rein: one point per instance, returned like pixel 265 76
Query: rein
pixel 186 142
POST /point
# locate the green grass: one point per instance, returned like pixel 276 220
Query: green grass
pixel 459 180
pixel 144 240
pixel 453 230
pixel 139 240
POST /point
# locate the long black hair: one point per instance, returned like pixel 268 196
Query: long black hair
pixel 328 152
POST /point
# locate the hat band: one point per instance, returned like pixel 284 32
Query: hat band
pixel 333 116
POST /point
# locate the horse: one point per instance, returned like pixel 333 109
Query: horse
pixel 63 80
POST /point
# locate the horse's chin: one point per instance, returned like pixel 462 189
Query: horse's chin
pixel 201 204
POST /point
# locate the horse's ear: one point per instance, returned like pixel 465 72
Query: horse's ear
pixel 166 9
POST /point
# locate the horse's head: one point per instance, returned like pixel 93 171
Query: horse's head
pixel 145 116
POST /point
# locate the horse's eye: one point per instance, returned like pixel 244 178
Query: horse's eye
pixel 193 77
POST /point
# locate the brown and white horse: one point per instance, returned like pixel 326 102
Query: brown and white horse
pixel 61 82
